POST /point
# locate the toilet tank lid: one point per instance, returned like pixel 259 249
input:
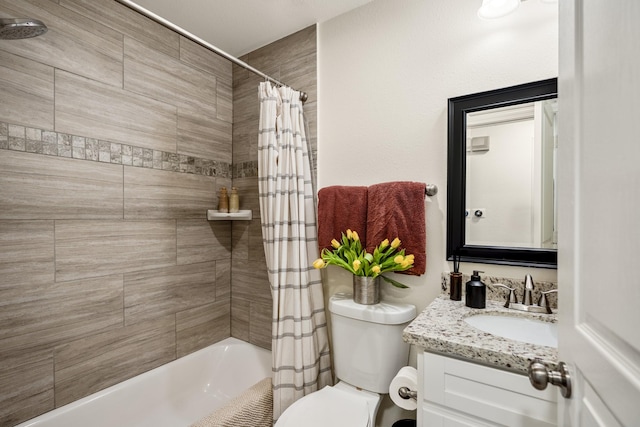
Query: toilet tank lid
pixel 385 312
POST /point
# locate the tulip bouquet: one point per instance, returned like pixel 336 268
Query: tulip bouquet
pixel 350 255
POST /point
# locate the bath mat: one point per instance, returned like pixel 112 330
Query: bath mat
pixel 253 408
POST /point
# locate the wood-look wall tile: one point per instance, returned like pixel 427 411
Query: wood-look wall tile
pixel 73 43
pixel 155 293
pixel 202 135
pixel 95 110
pixel 248 194
pixel 26 90
pixel 46 187
pixel 198 56
pixel 256 251
pixel 247 242
pixel 223 280
pixel 91 364
pixel 91 248
pixel 153 74
pixel 26 386
pixel 299 73
pixel 41 317
pixel 200 240
pixel 240 309
pixel 260 324
pixel 224 91
pixel 240 240
pixel 26 257
pixel 202 326
pixel 246 104
pixel 250 282
pixel 311 114
pixel 151 193
pixel 128 22
pixel 245 141
pixel 280 51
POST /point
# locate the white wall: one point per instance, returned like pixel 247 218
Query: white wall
pixel 501 182
pixel 385 72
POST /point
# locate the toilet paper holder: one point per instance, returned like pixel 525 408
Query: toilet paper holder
pixel 406 393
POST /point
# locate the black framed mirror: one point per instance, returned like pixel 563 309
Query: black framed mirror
pixel 472 231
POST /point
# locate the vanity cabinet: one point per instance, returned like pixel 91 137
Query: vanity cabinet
pixel 456 393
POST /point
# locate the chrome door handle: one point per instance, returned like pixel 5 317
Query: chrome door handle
pixel 540 376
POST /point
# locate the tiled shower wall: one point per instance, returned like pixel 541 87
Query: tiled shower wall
pixel 291 60
pixel 115 134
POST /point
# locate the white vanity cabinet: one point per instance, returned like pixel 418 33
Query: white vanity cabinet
pixel 456 393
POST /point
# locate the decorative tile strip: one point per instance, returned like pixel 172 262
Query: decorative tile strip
pixel 245 169
pixel 50 143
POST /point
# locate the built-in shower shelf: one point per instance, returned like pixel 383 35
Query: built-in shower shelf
pixel 214 215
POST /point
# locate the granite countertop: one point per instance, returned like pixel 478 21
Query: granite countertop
pixel 441 328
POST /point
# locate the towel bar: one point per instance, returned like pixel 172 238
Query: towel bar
pixel 431 190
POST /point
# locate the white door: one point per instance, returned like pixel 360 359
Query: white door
pixel 599 208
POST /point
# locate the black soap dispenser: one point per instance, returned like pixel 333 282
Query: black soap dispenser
pixel 475 291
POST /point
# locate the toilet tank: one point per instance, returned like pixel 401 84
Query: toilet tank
pixel 368 349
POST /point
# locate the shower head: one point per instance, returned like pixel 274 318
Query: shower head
pixel 15 29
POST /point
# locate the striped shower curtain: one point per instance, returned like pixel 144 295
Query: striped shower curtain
pixel 300 345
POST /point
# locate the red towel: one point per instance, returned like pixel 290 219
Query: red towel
pixel 396 209
pixel 341 208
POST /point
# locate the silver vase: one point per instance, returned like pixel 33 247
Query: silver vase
pixel 366 290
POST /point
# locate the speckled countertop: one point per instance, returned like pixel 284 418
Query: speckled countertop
pixel 441 328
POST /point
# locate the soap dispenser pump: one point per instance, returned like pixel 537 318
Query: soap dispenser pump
pixel 475 291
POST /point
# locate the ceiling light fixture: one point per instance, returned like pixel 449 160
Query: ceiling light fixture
pixel 491 9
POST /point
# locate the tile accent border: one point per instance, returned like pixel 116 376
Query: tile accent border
pixel 51 143
pixel 245 169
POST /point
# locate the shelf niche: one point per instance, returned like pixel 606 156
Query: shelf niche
pixel 242 215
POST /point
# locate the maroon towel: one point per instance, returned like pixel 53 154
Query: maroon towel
pixel 396 209
pixel 341 208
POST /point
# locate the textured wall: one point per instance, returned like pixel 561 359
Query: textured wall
pixel 292 60
pixel 385 74
pixel 115 134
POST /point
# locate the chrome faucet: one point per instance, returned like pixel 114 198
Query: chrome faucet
pixel 511 296
pixel 544 301
pixel 527 296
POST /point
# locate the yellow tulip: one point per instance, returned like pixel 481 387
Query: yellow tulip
pixel 396 242
pixel 335 243
pixel 356 265
pixel 384 244
pixel 411 257
pixel 406 263
pixel 349 233
pixel 355 235
pixel 398 259
pixel 319 263
pixel 375 269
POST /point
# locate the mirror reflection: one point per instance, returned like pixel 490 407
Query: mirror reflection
pixel 501 176
pixel 510 176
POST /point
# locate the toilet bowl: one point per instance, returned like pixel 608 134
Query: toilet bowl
pixel 368 351
pixel 341 405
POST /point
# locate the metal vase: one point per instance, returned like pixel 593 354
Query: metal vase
pixel 366 290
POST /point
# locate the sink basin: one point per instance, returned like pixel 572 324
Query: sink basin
pixel 517 328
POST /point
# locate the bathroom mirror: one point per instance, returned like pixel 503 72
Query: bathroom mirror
pixel 501 176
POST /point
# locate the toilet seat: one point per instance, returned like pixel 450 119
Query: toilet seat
pixel 327 407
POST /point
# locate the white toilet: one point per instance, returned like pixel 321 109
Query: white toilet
pixel 368 351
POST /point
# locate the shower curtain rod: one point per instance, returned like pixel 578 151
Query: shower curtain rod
pixel 130 4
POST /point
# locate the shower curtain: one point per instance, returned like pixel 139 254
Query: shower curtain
pixel 300 344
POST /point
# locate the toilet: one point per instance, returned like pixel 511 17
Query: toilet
pixel 368 351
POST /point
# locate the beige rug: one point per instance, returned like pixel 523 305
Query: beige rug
pixel 253 408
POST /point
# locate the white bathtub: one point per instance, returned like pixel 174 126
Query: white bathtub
pixel 173 395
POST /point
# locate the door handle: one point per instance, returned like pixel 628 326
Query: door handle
pixel 540 376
